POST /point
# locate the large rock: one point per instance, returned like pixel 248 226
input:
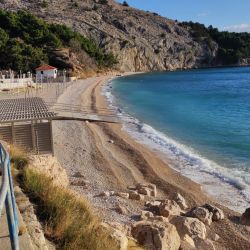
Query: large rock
pixel 156 235
pixel 190 226
pixel 168 208
pixel 202 214
pixel 180 200
pixel 118 236
pixel 218 214
pixel 245 218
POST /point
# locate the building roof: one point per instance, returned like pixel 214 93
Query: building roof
pixel 24 109
pixel 45 67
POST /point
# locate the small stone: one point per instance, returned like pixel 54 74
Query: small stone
pixel 77 175
pixel 133 195
pixel 104 194
pixel 122 195
pixel 204 244
pixel 131 187
pixel 179 199
pixel 212 235
pixel 245 218
pixel 121 210
pixel 146 214
pixel 78 183
pixel 168 208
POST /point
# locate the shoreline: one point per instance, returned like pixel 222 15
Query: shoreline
pixel 217 184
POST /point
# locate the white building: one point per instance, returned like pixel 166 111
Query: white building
pixel 46 72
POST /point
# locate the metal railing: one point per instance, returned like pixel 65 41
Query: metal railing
pixel 7 198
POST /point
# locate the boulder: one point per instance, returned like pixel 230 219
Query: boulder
pixel 218 214
pixel 202 214
pixel 190 226
pixel 245 218
pixel 168 208
pixel 156 235
pixel 180 200
pixel 133 195
pixel 204 244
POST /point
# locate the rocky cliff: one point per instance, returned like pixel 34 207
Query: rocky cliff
pixel 142 41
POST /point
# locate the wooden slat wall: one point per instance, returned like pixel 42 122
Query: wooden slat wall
pixel 23 136
pixel 6 134
pixel 43 138
pixel 41 143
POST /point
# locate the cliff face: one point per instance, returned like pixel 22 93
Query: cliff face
pixel 142 41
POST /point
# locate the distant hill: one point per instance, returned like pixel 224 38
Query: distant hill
pixel 139 40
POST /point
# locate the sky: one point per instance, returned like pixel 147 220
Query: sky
pixel 231 15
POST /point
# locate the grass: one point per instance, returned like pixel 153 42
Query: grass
pixel 67 218
pixel 19 158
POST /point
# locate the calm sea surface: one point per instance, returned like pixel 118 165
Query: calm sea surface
pixel 198 119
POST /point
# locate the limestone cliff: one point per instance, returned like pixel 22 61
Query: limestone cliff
pixel 142 41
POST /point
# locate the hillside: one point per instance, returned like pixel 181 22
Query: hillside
pixel 141 41
pixel 27 41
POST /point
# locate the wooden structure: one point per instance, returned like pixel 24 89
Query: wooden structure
pixel 27 123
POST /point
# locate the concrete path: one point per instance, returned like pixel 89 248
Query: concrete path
pixel 24 240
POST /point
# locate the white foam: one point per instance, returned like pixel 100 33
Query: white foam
pixel 229 186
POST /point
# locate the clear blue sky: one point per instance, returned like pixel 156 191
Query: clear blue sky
pixel 233 15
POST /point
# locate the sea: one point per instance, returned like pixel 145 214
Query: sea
pixel 198 120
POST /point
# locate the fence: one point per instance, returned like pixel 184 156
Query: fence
pixel 7 198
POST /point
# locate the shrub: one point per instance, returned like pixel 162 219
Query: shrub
pixel 125 4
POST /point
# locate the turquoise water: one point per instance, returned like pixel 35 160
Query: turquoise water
pixel 199 119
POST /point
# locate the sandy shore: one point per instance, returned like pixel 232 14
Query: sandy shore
pixel 85 148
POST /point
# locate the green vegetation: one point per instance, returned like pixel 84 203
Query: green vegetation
pixel 125 4
pixel 232 46
pixel 26 41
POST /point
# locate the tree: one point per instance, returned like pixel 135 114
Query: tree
pixel 125 4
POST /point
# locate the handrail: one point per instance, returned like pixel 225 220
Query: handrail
pixel 7 197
